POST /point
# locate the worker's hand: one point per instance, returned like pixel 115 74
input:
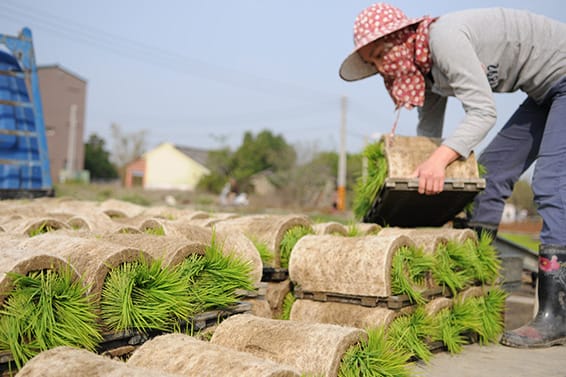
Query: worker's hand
pixel 431 173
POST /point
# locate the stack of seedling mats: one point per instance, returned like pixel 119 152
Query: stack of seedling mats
pixel 109 290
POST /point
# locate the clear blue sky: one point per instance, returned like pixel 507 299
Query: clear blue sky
pixel 201 73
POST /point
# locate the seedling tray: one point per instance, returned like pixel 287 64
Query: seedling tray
pixel 400 204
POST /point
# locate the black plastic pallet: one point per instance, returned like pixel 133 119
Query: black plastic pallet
pixel 390 302
pixel 399 203
pixel 274 274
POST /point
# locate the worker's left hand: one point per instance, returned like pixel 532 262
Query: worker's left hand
pixel 431 172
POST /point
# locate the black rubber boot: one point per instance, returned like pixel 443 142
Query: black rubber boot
pixel 548 328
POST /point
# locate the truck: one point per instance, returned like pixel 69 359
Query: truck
pixel 24 158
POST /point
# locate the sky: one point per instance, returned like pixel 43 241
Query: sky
pixel 202 73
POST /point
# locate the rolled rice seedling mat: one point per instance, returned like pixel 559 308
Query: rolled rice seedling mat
pixel 186 356
pixel 99 222
pixel 46 309
pixel 267 229
pixel 93 259
pixel 20 260
pixel 311 348
pixel 172 213
pixel 275 296
pixel 428 240
pixel 67 361
pixel 172 250
pixel 432 310
pixel 411 334
pixel 233 243
pixel 331 228
pixel 365 229
pixel 351 270
pixel 259 307
pixel 121 209
pixel 343 314
pixel 32 226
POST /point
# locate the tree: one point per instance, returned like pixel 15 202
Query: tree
pixel 126 147
pixel 97 159
pixel 522 196
pixel 263 152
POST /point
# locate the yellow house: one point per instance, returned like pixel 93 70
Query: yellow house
pixel 168 167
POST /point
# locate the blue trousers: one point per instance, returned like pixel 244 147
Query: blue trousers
pixel 535 132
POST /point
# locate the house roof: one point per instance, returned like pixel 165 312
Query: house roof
pixel 199 155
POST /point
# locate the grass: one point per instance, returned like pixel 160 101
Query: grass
pixel 265 254
pixel 410 333
pixel 288 302
pixel 525 240
pixel 44 310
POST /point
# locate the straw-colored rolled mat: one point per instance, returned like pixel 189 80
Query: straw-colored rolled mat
pixel 477 291
pixel 186 356
pixel 172 213
pixel 367 229
pixel 260 307
pixel 234 243
pixel 172 250
pixel 267 229
pixel 311 348
pixel 427 239
pixel 120 208
pixel 436 305
pixel 28 225
pixel 358 266
pixel 405 153
pixel 68 361
pixel 99 222
pixel 344 314
pixel 92 258
pixel 24 260
pixel 330 227
pixel 72 207
pixel 275 295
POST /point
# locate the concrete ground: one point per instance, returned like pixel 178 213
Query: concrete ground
pixel 497 360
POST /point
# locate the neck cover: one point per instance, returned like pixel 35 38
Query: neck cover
pixel 406 63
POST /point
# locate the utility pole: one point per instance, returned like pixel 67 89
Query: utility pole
pixel 71 143
pixel 341 194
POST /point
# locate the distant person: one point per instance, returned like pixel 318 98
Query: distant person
pixel 468 55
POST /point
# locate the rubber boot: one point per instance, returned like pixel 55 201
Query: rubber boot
pixel 487 229
pixel 548 327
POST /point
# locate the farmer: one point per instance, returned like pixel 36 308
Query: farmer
pixel 468 55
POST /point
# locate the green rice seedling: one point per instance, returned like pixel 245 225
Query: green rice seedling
pixel 490 308
pixel 409 268
pixel 353 230
pixel 488 266
pixel 288 302
pixel 43 228
pixel 145 296
pixel 465 319
pixel 453 266
pixel 46 309
pixel 265 254
pixel 376 357
pixel 290 239
pixel 157 231
pixel 214 279
pixel 410 333
pixel 446 329
pixel 367 189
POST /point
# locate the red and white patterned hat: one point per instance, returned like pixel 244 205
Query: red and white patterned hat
pixel 374 22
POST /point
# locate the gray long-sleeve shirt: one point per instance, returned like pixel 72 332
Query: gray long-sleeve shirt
pixel 477 52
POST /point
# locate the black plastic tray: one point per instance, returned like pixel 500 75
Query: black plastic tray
pixel 400 204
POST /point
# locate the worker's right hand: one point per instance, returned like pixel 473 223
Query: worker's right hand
pixel 431 173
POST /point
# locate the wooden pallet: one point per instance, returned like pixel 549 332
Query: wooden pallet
pixel 391 302
pixel 274 274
